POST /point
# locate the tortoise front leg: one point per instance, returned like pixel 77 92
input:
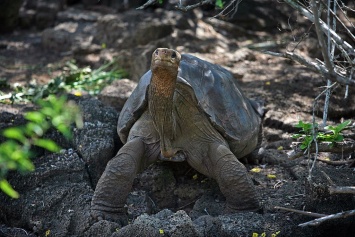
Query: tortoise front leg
pixel 231 176
pixel 233 180
pixel 116 182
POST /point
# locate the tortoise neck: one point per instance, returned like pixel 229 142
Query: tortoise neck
pixel 163 84
pixel 161 95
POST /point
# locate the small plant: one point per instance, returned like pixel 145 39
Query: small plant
pixel 86 79
pixel 73 78
pixel 15 152
pixel 330 134
pixel 265 235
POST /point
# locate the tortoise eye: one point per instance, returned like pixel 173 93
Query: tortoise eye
pixel 173 55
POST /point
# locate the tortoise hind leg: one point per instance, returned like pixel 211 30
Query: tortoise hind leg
pixel 116 182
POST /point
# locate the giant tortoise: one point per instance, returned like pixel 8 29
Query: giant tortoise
pixel 183 108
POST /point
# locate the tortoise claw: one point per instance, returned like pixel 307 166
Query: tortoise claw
pixel 98 215
pixel 229 209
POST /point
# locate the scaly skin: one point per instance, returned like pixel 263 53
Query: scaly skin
pixel 172 128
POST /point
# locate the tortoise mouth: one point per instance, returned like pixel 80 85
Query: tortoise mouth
pixel 164 63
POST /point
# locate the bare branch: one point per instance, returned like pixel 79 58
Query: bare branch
pixel 344 53
pixel 323 26
pixel 314 66
pixel 190 7
pixel 346 7
pixel 341 22
pixel 330 54
pixel 321 39
pixel 307 213
pixel 329 217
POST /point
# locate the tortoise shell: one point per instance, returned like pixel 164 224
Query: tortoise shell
pixel 219 96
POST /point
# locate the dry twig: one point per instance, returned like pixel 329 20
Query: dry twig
pixel 147 4
pixel 341 22
pixel 320 217
pixel 335 162
pixel 330 181
pixel 234 4
pixel 306 213
pixel 328 217
pixel 344 189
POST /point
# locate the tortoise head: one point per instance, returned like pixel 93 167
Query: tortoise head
pixel 166 59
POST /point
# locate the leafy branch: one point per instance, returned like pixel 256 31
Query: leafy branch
pixel 15 152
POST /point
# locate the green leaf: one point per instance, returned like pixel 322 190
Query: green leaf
pixel 58 121
pixel 337 129
pixel 35 117
pixel 305 127
pixel 299 125
pixel 26 165
pixel 48 110
pixel 341 126
pixel 47 144
pixel 14 133
pixel 325 137
pixel 329 127
pixel 7 148
pixel 219 3
pixel 33 129
pixel 303 146
pixel 297 135
pixel 339 138
pixel 6 188
pixel 65 130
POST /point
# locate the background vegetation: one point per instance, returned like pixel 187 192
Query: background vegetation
pixel 54 111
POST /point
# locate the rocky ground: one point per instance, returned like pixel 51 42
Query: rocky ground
pixel 171 199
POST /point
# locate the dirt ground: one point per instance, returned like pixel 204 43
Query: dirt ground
pixel 288 91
